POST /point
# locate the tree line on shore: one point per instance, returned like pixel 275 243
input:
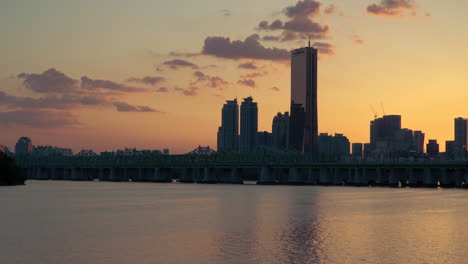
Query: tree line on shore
pixel 10 173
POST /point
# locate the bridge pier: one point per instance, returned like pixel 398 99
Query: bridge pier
pixel 266 176
pixel 187 175
pixel 209 176
pixel 162 175
pixel 295 177
pixel 430 180
pixel 447 179
pixel 311 176
pixel 325 178
pixel 393 178
pixel 235 176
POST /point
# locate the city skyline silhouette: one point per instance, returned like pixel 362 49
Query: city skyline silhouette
pixel 79 89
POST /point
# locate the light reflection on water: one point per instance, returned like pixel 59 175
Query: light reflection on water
pixel 98 222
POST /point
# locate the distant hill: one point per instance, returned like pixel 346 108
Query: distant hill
pixel 10 174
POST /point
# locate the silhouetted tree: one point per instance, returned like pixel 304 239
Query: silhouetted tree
pixel 10 173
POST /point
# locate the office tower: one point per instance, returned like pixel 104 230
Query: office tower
pixel 385 128
pixel 264 139
pixel 228 132
pixel 23 146
pixel 303 133
pixel 333 147
pixel 418 137
pixel 450 150
pixel 249 125
pixel 357 150
pixel 280 130
pixel 461 138
pixel 432 148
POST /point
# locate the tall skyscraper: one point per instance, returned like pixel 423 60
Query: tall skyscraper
pixel 419 141
pixel 228 133
pixel 303 132
pixel 461 138
pixel 23 146
pixel 249 125
pixel 280 130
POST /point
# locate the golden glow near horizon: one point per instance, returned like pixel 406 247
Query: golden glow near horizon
pixel 414 64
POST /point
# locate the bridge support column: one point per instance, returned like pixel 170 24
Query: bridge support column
pixel 101 174
pixel 112 176
pixel 294 177
pixel 162 175
pixel 235 177
pixel 140 174
pixel 266 177
pixel 410 178
pixel 465 178
pixel 187 175
pixel 356 179
pixel 311 177
pixel 393 178
pixel 325 178
pixel 209 176
pixel 444 178
pixel 459 177
pixel 337 179
pixel 429 179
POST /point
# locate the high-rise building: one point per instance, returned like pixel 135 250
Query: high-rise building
pixel 418 137
pixel 385 128
pixel 264 139
pixel 228 132
pixel 45 151
pixel 303 132
pixel 280 131
pixel 432 148
pixel 461 138
pixel 333 147
pixel 23 146
pixel 249 125
pixel 357 150
pixel 450 149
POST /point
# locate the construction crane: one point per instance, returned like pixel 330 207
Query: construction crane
pixel 375 113
pixel 383 110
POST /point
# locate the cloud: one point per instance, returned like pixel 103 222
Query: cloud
pixel 330 9
pixel 391 7
pixel 324 48
pixel 213 81
pixel 299 24
pixel 250 48
pixel 184 54
pixel 38 119
pixel 162 90
pixel 248 65
pixel 124 107
pixel 276 89
pixel 247 82
pixel 149 80
pixel 90 84
pixel 226 12
pixel 358 39
pixel 177 64
pixel 303 8
pixel 254 75
pixel 275 25
pixel 50 81
pixel 50 102
pixel 271 38
pixel 192 91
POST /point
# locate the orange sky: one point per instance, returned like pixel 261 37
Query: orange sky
pixel 410 57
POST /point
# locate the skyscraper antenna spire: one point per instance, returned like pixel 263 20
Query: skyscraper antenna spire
pixel 309 41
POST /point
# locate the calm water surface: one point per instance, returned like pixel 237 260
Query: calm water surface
pixel 100 222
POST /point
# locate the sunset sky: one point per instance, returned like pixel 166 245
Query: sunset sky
pixel 150 74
